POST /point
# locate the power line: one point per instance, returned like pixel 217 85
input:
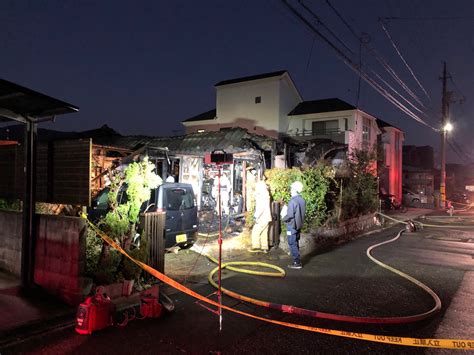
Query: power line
pixel 397 93
pixel 403 60
pixel 382 61
pixel 433 18
pixel 357 69
pixel 325 26
pixel 310 55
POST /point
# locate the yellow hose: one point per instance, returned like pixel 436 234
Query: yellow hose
pixel 229 265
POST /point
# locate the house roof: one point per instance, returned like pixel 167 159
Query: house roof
pixel 16 132
pixel 232 140
pixel 383 124
pixel 208 115
pixel 22 101
pixel 250 78
pixel 317 106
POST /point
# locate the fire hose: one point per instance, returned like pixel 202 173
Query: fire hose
pixel 396 340
pixel 323 315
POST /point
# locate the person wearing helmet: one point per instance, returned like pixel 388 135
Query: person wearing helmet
pixel 293 216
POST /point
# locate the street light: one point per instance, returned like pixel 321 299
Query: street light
pixel 448 127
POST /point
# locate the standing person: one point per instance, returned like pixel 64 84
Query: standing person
pixel 262 216
pixel 293 216
pixel 225 192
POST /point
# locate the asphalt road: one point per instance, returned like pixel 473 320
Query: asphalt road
pixel 340 280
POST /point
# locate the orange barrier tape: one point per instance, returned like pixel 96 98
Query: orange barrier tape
pixel 462 344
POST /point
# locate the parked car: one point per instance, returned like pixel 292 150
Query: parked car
pixel 411 198
pixel 176 199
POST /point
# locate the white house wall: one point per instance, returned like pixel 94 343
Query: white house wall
pixel 235 103
pixel 289 99
pixel 356 141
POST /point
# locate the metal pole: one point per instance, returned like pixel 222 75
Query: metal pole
pixel 219 293
pixel 28 241
pixel 444 108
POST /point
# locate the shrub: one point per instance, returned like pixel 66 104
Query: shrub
pixel 359 191
pixel 316 180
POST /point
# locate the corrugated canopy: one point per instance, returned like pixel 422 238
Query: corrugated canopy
pixel 16 100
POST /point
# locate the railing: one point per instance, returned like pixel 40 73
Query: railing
pixel 318 132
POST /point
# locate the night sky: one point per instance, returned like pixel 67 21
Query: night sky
pixel 143 66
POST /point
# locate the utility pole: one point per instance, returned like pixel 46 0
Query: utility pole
pixel 444 120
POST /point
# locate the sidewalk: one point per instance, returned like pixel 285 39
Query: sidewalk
pixel 25 315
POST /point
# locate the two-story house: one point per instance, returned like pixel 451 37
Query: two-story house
pixel 270 104
pixel 259 103
pixel 333 119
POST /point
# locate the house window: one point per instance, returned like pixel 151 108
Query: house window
pixel 366 130
pixel 258 99
pixel 324 127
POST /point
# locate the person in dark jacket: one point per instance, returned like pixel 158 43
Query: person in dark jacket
pixel 293 216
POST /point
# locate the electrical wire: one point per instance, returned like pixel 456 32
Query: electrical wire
pixel 382 61
pixel 356 69
pixel 433 18
pixel 403 59
pixel 325 26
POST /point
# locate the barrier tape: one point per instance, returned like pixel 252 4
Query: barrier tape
pixel 462 344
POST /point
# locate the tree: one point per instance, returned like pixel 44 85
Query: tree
pixel 129 189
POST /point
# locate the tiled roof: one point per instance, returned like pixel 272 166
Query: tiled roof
pixel 250 78
pixel 209 115
pixel 232 140
pixel 317 106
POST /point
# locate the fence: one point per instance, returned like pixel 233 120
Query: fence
pixel 154 232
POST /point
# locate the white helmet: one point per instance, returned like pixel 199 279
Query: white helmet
pixel 297 187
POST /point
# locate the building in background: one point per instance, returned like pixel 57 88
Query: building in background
pixel 419 175
pixel 390 159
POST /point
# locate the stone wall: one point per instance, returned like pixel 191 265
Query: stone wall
pixel 60 257
pixel 323 236
pixel 10 241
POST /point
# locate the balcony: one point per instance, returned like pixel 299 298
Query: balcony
pixel 333 134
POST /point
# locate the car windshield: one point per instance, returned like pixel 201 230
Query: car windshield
pixel 179 198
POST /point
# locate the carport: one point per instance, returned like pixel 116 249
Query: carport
pixel 23 105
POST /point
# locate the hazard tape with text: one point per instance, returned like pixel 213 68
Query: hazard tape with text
pixel 463 344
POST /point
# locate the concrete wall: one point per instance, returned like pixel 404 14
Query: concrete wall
pixel 322 237
pixel 60 257
pixel 10 241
